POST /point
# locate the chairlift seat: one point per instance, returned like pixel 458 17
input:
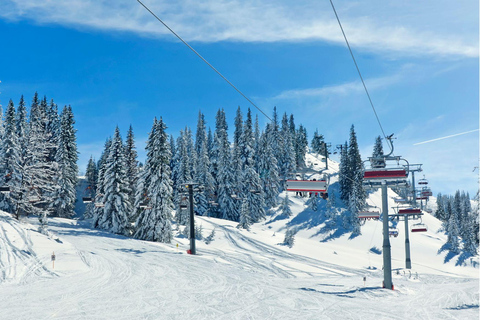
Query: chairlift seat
pixel 384 173
pixel 307 185
pixel 99 205
pixel 87 199
pixel 420 227
pixel 369 215
pixel 409 211
pixel 5 189
pixel 393 233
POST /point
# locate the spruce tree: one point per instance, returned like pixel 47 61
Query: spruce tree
pixel 245 216
pixel 10 160
pixel 285 207
pixel 154 224
pixel 66 156
pixel 377 154
pixel 343 175
pixel 132 164
pixel 117 204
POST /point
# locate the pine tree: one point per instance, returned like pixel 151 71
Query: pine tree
pixel 101 182
pixel 267 167
pixel 66 156
pixel 286 160
pixel 377 154
pixel 440 211
pixel 10 160
pixel 117 204
pixel 302 146
pixel 317 143
pixel 154 224
pixel 132 164
pixel 290 237
pixel 357 196
pixel 245 218
pixel 40 169
pixel 343 175
pixel 91 175
pixel 314 202
pixel 228 209
pixel 285 207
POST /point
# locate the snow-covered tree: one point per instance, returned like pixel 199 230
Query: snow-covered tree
pixel 117 205
pixel 289 239
pixel 285 207
pixel 228 209
pixel 132 164
pixel 343 175
pixel 154 224
pixel 377 154
pixel 10 160
pixel 267 167
pixel 40 169
pixel 66 156
pixel 317 143
pixel 245 218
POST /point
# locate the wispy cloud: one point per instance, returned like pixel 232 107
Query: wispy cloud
pixel 348 88
pixel 371 26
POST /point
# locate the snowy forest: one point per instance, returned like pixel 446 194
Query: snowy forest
pixel 238 180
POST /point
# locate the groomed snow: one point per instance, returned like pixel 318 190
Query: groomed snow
pixel 240 275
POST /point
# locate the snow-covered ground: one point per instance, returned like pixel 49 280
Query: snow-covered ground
pixel 240 275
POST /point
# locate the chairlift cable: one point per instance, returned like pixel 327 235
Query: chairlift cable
pixel 204 60
pixel 358 69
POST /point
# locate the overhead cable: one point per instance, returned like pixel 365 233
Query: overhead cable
pixel 358 69
pixel 204 60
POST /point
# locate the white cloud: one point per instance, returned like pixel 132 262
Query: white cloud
pixel 410 29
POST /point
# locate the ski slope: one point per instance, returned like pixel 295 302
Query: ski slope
pixel 240 275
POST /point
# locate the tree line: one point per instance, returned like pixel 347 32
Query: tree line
pixel 38 160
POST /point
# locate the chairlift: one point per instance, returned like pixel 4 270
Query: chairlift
pixel 99 205
pixel 385 174
pixel 4 189
pixel 419 227
pixel 367 215
pixel 399 200
pixel 426 192
pixel 423 181
pixel 33 199
pixel 409 211
pixel 144 205
pixel 393 232
pixel 183 206
pixel 307 185
pixel 87 199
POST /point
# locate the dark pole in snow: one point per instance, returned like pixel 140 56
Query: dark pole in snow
pixel 387 257
pixel 408 262
pixel 192 222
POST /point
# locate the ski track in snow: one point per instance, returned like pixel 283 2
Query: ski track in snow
pixel 99 275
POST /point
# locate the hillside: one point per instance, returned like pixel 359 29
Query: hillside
pixel 240 275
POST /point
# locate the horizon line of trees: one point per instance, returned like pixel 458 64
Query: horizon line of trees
pixel 38 160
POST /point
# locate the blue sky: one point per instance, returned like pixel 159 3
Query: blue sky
pixel 116 65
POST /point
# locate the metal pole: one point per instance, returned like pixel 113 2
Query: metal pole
pixel 387 257
pixel 414 197
pixel 192 222
pixel 326 155
pixel 408 262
